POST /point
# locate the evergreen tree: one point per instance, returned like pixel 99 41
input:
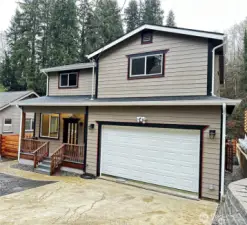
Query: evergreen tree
pixel 17 55
pixel 86 29
pixel 132 16
pixel 107 23
pixel 44 42
pixel 64 33
pixel 244 83
pixel 151 12
pixel 170 21
pixel 7 77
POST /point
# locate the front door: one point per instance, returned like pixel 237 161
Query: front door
pixel 70 130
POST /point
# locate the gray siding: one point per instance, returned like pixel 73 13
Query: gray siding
pixel 84 84
pixel 64 111
pixel 14 113
pixel 185 68
pixel 217 76
pixel 210 116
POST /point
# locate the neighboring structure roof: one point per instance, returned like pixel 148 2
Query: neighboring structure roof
pixel 77 66
pixel 147 101
pixel 174 30
pixel 9 98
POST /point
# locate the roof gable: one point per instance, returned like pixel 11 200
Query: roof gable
pixel 8 97
pixel 173 30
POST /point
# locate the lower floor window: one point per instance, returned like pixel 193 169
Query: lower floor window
pixel 7 127
pixel 49 125
pixel 29 124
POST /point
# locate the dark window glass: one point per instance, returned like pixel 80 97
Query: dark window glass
pixel 8 121
pixel 146 37
pixel 72 79
pixel 64 79
pixel 138 66
pixel 154 64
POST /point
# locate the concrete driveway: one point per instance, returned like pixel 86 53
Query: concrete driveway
pixel 74 201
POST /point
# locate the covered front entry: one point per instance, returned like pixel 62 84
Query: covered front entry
pixel 161 156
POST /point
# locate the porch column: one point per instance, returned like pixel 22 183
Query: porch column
pixel 22 131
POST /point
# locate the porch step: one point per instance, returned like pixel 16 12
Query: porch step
pixel 43 171
pixel 44 166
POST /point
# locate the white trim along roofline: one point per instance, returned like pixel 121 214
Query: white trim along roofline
pixel 140 103
pixel 77 66
pixel 19 99
pixel 196 33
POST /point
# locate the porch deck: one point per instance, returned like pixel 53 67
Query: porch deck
pixel 68 155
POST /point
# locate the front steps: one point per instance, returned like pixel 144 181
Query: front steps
pixel 44 167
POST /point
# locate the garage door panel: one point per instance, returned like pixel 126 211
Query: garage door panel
pixel 168 179
pixel 138 149
pixel 168 157
pixel 184 160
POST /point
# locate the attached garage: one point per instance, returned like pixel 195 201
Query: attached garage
pixel 163 156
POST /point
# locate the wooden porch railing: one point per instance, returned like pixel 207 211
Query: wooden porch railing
pixel 30 145
pixel 57 159
pixel 70 152
pixel 40 153
pixel 74 153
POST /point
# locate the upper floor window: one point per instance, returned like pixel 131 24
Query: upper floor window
pixel 147 37
pixel 68 80
pixel 146 65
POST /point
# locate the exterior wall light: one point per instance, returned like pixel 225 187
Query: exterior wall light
pixel 91 126
pixel 140 119
pixel 212 134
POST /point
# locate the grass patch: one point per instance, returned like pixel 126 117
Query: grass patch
pixel 2 89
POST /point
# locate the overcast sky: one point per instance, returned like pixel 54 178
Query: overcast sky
pixel 212 15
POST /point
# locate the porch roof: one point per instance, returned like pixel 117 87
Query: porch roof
pixel 142 101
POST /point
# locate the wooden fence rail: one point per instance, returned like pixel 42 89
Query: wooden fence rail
pixel 9 145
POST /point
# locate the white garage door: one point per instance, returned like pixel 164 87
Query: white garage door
pixel 162 156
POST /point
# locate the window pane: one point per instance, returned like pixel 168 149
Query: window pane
pixel 54 126
pixel 32 124
pixel 138 66
pixel 8 121
pixel 45 125
pixel 28 124
pixel 154 64
pixel 72 79
pixel 64 80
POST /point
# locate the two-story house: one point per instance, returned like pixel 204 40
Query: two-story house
pixel 146 108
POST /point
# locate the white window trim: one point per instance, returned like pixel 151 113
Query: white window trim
pixel 41 127
pixel 31 127
pixel 145 65
pixel 7 125
pixel 67 74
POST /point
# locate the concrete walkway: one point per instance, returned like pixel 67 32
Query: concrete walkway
pixel 73 200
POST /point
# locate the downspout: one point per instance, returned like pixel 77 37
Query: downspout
pixel 20 134
pixel 47 83
pixel 223 150
pixel 93 80
pixel 213 63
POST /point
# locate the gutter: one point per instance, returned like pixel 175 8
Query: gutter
pixel 138 103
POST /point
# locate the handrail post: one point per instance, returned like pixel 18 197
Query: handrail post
pixel 35 159
pixel 48 149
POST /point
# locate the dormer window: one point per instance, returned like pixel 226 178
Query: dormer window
pixel 147 37
pixel 147 65
pixel 68 80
